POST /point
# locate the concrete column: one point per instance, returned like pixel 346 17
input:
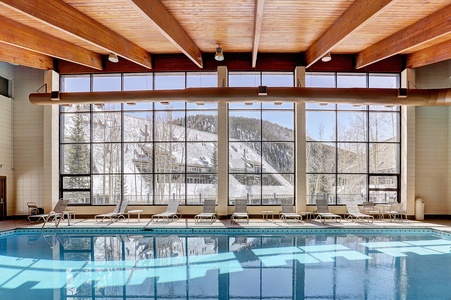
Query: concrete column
pixel 223 148
pixel 300 184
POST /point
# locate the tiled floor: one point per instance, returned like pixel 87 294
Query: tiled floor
pixel 439 224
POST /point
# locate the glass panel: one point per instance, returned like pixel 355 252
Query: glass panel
pixel 383 182
pixel 138 158
pixel 320 186
pixel 244 157
pixel 384 107
pixel 245 186
pixel 106 189
pixel 169 105
pixel 202 125
pixel 277 125
pixel 326 80
pixel 383 196
pixel 245 125
pixel 277 187
pixel 138 189
pixel 278 79
pixel 169 81
pixel 169 187
pixel 390 81
pixel 352 126
pixel 107 127
pixel 106 107
pixel 170 126
pixel 278 157
pixel 75 158
pixel 351 107
pixel 244 79
pixel 384 127
pixel 202 158
pixel 138 126
pixel 351 187
pixel 138 82
pixel 76 182
pixel 200 187
pixel 351 80
pixel 201 79
pixel 78 83
pixel 320 125
pixel 352 158
pixel 278 105
pixel 384 158
pixel 202 105
pixel 321 157
pixel 169 158
pixel 76 128
pixel 106 82
pixel 77 197
pixel 320 106
pixel 139 106
pixel 106 158
pixel 75 108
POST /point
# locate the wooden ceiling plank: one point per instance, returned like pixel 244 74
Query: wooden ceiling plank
pixel 427 29
pixel 353 18
pixel 258 21
pixel 430 55
pixel 19 56
pixel 22 36
pixel 64 17
pixel 159 15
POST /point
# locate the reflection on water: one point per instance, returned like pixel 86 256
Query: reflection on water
pixel 142 266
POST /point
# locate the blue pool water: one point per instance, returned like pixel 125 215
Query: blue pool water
pixel 237 264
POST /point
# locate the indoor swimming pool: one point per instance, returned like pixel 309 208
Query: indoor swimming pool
pixel 225 264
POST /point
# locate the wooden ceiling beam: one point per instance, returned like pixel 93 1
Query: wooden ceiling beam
pixel 258 21
pixel 19 56
pixel 430 55
pixel 159 15
pixel 64 17
pixel 360 12
pixel 427 29
pixel 22 36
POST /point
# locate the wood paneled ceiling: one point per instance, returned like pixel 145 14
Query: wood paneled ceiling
pixel 159 34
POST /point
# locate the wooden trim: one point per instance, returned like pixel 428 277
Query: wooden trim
pixel 64 17
pixel 19 35
pixel 430 55
pixel 26 58
pixel 360 12
pixel 429 28
pixel 158 14
pixel 258 21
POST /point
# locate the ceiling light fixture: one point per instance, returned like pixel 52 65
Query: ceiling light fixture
pixel 326 57
pixel 219 55
pixel 113 58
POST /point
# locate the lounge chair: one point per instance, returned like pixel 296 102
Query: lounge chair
pixel 208 211
pixel 240 210
pixel 395 211
pixel 287 211
pixel 172 212
pixel 118 212
pixel 322 212
pixel 370 209
pixel 355 214
pixel 56 214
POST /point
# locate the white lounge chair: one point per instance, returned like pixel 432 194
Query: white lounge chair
pixel 322 212
pixel 396 212
pixel 240 210
pixel 208 211
pixel 56 214
pixel 172 212
pixel 370 209
pixel 120 211
pixel 287 211
pixel 355 214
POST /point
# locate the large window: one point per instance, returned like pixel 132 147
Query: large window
pixel 353 151
pixel 146 153
pixel 261 144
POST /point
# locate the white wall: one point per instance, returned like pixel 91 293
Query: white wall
pixel 433 143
